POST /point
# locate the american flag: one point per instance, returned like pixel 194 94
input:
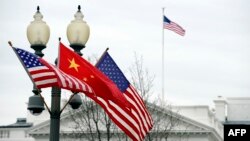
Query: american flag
pixel 45 75
pixel 167 24
pixel 137 122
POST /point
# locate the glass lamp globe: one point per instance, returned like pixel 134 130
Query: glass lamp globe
pixel 78 32
pixel 38 33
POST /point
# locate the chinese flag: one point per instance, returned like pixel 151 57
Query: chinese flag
pixel 73 64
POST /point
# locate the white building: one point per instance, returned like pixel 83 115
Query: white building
pixel 191 123
pixel 16 131
pixel 233 110
pixel 185 127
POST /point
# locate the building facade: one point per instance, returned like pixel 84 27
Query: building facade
pixel 233 110
pixel 180 123
pixel 171 123
pixel 16 131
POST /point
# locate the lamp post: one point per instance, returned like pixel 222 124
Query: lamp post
pixel 38 33
pixel 78 32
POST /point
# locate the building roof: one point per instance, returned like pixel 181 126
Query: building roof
pixel 20 123
pixel 236 123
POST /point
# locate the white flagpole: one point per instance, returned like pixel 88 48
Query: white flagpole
pixel 163 77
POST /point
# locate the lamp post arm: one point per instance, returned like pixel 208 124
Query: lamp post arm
pixel 67 102
pixel 46 105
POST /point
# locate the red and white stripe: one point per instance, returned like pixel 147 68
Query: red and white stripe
pixel 122 117
pixel 49 75
pixel 135 122
pixel 174 27
pixel 43 76
pixel 139 109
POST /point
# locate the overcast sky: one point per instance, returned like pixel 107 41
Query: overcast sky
pixel 211 59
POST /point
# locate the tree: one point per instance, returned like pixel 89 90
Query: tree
pixel 163 116
pixel 91 122
pixel 141 79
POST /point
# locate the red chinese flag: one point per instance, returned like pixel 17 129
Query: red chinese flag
pixel 73 64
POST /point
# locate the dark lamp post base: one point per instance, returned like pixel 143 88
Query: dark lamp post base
pixel 77 48
pixel 38 49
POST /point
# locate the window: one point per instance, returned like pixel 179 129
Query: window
pixel 4 134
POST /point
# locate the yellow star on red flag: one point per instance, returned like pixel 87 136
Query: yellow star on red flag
pixel 73 64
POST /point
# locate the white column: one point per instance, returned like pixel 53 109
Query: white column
pixel 220 108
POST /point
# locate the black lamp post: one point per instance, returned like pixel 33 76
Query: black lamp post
pixel 38 35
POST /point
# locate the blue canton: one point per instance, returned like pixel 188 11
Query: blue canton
pixel 166 20
pixel 30 60
pixel 108 66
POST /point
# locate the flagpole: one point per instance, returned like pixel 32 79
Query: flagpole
pixel 163 76
pixel 98 61
pixel 58 54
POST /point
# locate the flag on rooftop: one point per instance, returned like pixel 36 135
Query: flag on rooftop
pixel 138 121
pixel 170 25
pixel 45 75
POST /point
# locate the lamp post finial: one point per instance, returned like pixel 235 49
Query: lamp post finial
pixel 38 8
pixel 79 7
